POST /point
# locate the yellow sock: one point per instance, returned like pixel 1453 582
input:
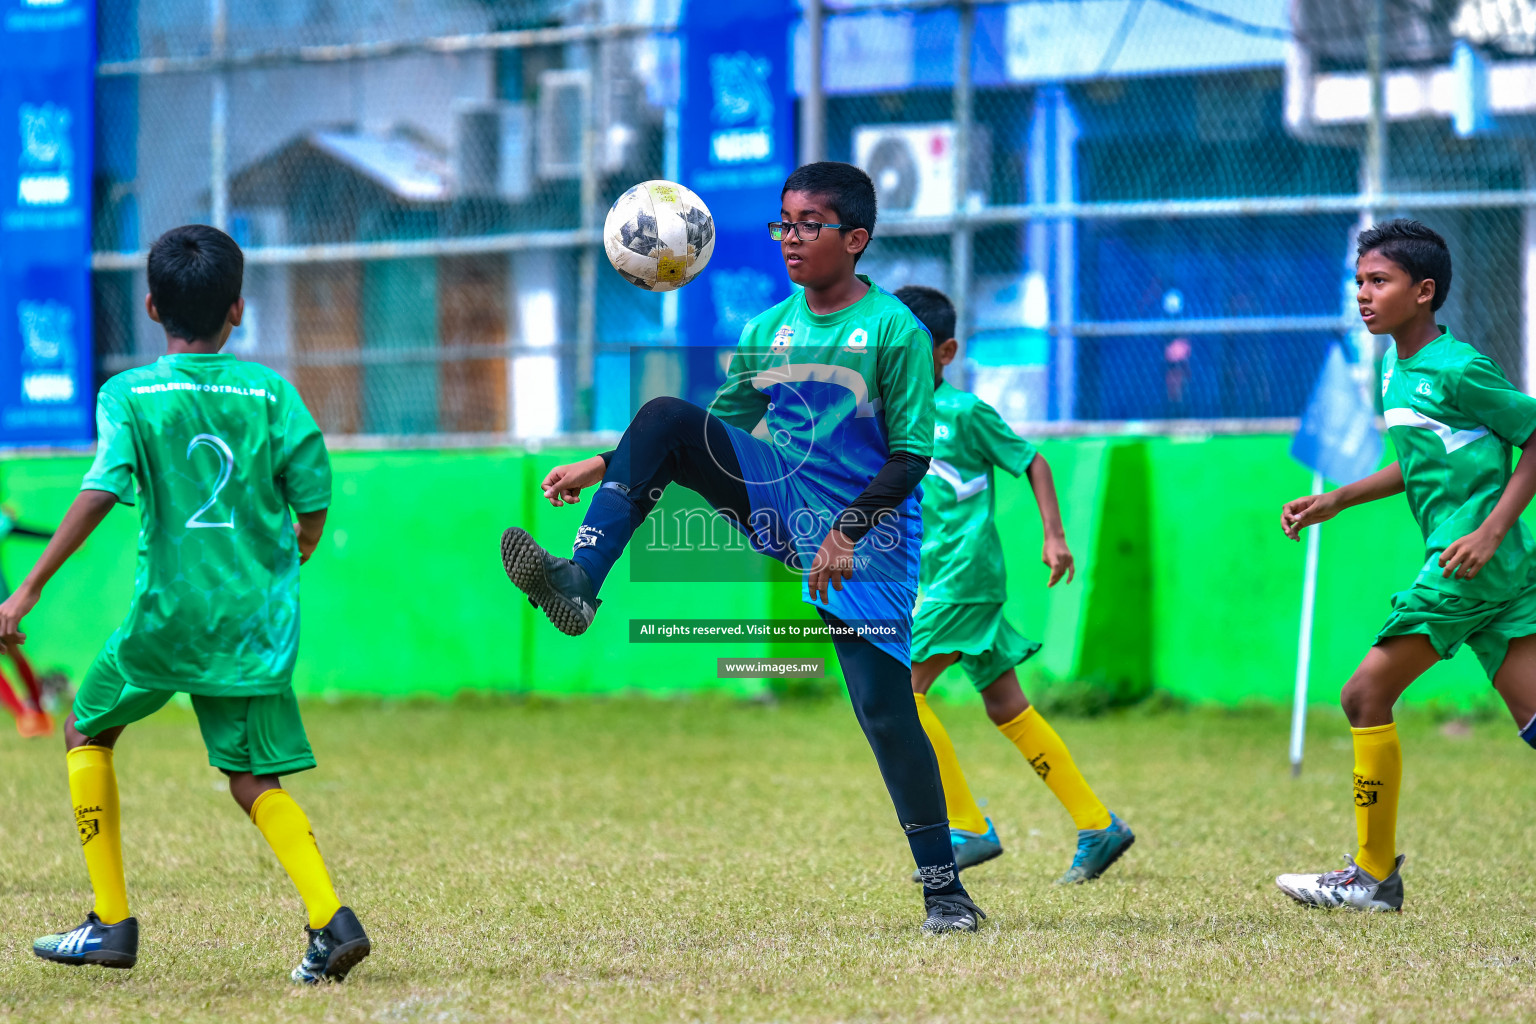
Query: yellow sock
pixel 958 801
pixel 286 829
pixel 1378 777
pixel 93 791
pixel 1048 756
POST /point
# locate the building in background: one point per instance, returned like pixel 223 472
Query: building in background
pixel 1144 207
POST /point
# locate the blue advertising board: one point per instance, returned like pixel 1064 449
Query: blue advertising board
pixel 47 57
pixel 737 146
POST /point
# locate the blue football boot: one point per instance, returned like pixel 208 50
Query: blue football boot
pixel 1097 849
pixel 105 945
pixel 972 848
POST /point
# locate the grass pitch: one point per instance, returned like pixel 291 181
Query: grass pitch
pixel 702 861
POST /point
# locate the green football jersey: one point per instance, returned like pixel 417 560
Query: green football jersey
pixel 962 552
pixel 220 451
pixel 1453 418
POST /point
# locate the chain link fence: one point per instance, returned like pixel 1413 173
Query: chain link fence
pixel 1143 208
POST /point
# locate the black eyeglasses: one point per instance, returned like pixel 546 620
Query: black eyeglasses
pixel 805 230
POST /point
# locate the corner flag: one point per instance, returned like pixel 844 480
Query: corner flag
pixel 1338 438
pixel 1338 441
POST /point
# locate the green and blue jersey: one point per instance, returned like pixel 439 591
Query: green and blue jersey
pixel 826 399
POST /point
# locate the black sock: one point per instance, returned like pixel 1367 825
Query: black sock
pixel 935 858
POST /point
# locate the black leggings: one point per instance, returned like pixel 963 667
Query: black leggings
pixel 881 690
pixel 671 440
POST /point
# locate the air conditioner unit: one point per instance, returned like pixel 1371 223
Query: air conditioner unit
pixel 913 166
pixel 565 105
pixel 492 150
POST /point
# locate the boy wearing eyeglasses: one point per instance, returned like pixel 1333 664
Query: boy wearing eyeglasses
pixel 814 448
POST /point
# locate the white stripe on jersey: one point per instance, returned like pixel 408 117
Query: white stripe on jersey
pixel 1452 439
pixel 950 475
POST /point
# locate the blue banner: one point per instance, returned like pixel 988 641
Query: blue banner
pixel 1338 436
pixel 737 147
pixel 47 77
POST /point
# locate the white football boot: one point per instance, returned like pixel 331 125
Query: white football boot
pixel 1351 888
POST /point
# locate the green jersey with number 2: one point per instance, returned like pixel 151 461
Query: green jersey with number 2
pixel 220 450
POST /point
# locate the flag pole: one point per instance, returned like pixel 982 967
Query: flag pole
pixel 1304 642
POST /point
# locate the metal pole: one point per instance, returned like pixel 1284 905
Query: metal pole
pixel 813 105
pixel 1064 134
pixel 960 237
pixel 1304 642
pixel 1376 129
pixel 586 310
pixel 218 141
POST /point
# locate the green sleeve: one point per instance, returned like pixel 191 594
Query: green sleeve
pixel 904 375
pixel 992 440
pixel 1484 394
pixel 304 466
pixel 737 401
pixel 117 454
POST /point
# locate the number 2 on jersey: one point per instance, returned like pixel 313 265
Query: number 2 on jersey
pixel 226 466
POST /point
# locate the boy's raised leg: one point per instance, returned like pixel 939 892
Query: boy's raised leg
pixel 1370 880
pixel 669 440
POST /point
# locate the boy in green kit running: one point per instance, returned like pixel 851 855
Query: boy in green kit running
pixel 960 614
pixel 220 451
pixel 1454 420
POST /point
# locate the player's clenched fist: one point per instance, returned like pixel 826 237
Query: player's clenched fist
pixel 1307 511
pixel 564 483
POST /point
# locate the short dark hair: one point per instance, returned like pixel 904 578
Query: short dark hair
pixel 195 273
pixel 932 308
pixel 1419 250
pixel 846 189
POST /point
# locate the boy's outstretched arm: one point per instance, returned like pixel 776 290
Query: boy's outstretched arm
pixel 89 509
pixel 1056 555
pixel 1465 558
pixel 1312 509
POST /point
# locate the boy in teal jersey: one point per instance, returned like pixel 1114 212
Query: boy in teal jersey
pixel 219 450
pixel 814 448
pixel 1454 420
pixel 960 616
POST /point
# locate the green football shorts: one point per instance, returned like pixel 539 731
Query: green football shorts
pixel 1450 620
pixel 988 646
pixel 263 735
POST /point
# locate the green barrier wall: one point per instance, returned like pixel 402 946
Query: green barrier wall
pixel 1185 582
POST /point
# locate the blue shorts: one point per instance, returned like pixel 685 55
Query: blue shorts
pixel 792 513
